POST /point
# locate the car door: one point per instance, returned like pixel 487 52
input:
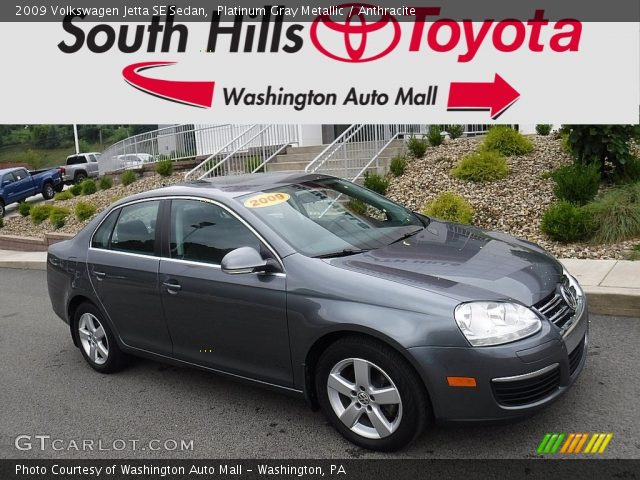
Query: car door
pixel 233 323
pixel 92 165
pixel 123 263
pixel 24 184
pixel 9 187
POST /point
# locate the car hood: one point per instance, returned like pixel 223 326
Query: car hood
pixel 464 263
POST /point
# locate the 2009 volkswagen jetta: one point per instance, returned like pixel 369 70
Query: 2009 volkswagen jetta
pixel 385 319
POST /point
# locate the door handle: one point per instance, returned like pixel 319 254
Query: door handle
pixel 100 275
pixel 172 288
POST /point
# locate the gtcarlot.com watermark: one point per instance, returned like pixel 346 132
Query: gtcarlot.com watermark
pixel 48 443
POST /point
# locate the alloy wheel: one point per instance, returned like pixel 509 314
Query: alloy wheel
pixel 364 398
pixel 93 338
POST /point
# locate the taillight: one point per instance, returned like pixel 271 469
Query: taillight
pixel 61 170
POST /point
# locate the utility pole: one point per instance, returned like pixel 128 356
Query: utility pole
pixel 75 136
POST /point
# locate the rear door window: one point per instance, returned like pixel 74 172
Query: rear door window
pixel 135 230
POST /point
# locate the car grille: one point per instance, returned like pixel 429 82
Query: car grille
pixel 556 310
pixel 575 356
pixel 517 392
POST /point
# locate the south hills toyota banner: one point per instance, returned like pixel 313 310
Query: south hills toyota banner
pixel 427 62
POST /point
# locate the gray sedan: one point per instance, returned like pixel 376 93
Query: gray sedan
pixel 385 319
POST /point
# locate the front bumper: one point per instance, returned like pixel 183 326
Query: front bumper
pixel 540 369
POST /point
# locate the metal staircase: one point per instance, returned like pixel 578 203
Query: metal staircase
pixel 247 152
pixel 359 149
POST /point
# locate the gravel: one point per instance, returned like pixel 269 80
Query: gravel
pixel 514 205
pixel 24 226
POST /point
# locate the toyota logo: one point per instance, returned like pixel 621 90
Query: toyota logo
pixel 363 41
pixel 569 296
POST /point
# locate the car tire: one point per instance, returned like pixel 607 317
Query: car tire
pixel 59 187
pixel 96 340
pixel 349 375
pixel 48 192
pixel 2 210
pixel 80 177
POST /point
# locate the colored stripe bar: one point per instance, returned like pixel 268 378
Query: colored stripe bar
pixel 543 443
pixel 584 439
pixel 550 443
pixel 567 443
pixel 607 439
pixel 555 448
pixel 594 437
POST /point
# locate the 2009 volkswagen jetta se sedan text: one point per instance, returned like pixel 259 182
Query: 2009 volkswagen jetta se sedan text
pixel 385 319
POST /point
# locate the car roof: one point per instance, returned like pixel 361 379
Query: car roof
pixel 232 186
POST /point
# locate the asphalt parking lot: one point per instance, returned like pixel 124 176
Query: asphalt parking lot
pixel 47 389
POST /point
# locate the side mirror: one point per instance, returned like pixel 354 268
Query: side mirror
pixel 245 260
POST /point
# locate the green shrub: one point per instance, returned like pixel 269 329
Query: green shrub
pixel 1 222
pixel 451 207
pixel 483 166
pixel 375 182
pixel 39 213
pixel 566 222
pixel 435 135
pixel 357 206
pixel 76 189
pixel 635 252
pixel 417 146
pixel 62 196
pixel 128 177
pixel 602 144
pixel 576 183
pixel 455 131
pixel 617 214
pixel 164 168
pixel 24 208
pixel 629 172
pixel 543 129
pixel 507 141
pixel 106 183
pixel 89 187
pixel 58 217
pixel 252 163
pixel 398 165
pixel 85 211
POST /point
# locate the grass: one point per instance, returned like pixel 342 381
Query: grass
pixel 635 253
pixel 37 158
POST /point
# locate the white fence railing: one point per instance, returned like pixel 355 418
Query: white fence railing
pixel 248 152
pixel 358 148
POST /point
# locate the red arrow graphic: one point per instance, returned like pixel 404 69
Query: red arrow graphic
pixel 196 94
pixel 496 96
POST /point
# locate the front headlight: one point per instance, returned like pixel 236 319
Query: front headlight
pixel 495 323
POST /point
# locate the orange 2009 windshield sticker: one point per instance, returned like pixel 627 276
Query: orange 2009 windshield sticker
pixel 266 200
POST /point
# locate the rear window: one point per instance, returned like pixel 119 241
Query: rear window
pixel 75 160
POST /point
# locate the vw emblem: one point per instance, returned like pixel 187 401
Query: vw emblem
pixel 363 398
pixel 357 33
pixel 569 296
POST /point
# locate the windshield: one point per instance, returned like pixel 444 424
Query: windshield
pixel 331 217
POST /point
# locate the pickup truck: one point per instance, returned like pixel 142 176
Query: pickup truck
pixel 18 184
pixel 80 166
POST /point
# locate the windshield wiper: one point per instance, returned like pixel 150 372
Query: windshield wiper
pixel 407 235
pixel 344 253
